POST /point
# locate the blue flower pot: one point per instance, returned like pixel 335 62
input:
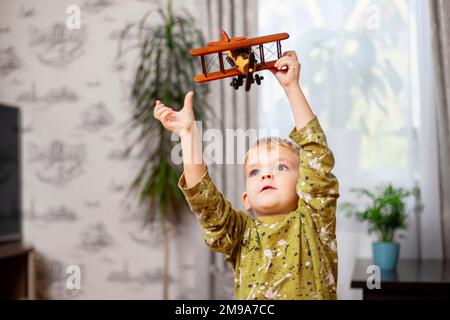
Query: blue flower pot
pixel 385 254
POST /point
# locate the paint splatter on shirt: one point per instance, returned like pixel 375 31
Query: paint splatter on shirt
pixel 292 256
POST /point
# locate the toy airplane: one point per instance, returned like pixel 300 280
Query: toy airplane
pixel 242 55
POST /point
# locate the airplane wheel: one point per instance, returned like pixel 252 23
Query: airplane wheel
pixel 258 79
pixel 235 83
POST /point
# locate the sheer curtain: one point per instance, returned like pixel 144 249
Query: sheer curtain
pixel 441 31
pixel 233 110
pixel 360 72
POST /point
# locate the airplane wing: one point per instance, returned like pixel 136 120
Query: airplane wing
pixel 217 75
pixel 249 42
pixel 231 72
pixel 265 66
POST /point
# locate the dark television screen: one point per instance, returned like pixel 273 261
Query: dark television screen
pixel 10 206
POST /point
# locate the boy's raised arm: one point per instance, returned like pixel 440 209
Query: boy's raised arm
pixel 288 74
pixel 183 124
pixel 316 159
pixel 223 226
pixel 317 187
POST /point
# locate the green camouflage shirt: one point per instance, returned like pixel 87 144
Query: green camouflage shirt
pixel 278 257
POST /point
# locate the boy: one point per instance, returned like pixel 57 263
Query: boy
pixel 289 250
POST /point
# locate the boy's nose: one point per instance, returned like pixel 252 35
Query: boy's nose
pixel 267 175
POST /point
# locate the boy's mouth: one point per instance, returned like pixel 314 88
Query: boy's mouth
pixel 266 188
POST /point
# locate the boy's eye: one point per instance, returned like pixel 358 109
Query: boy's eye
pixel 282 167
pixel 254 172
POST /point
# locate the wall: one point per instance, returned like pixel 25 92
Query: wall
pixel 73 95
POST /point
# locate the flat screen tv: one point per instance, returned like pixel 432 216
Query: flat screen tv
pixel 10 174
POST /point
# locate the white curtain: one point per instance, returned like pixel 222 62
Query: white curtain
pixel 361 74
pixel 440 11
pixel 233 110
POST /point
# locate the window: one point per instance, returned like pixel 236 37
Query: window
pixel 359 75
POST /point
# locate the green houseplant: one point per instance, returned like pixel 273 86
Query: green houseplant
pixel 386 214
pixel 165 72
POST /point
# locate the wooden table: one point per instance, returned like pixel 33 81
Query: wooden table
pixel 413 279
pixel 16 271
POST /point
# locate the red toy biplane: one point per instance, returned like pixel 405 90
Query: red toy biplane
pixel 243 57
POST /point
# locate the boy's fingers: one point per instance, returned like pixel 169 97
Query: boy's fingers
pixel 281 61
pixel 285 61
pixel 165 114
pixel 291 54
pixel 156 111
pixel 166 119
pixel 287 56
pixel 159 112
pixel 158 103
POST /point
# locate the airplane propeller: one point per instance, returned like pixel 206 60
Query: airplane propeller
pixel 251 68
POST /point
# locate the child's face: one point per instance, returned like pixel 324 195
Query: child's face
pixel 271 178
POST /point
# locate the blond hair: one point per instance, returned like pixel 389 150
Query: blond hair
pixel 272 142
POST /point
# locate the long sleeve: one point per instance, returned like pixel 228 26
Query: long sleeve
pixel 317 187
pixel 222 226
pixel 318 191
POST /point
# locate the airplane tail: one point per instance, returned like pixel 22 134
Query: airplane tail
pixel 225 40
pixel 225 36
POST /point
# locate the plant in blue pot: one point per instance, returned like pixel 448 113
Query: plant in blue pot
pixel 386 214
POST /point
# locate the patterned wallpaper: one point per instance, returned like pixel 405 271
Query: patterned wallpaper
pixel 73 97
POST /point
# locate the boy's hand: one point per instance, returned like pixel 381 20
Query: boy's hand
pixel 181 122
pixel 287 70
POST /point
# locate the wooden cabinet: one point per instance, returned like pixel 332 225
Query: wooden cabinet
pixel 16 271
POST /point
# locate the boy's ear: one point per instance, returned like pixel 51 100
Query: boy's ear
pixel 245 201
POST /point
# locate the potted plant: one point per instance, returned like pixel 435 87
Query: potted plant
pixel 165 72
pixel 386 214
